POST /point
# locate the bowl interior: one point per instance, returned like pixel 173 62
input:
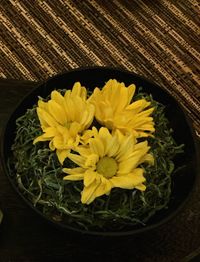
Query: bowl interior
pixel 183 181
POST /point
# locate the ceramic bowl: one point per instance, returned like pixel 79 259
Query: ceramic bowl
pixel 184 180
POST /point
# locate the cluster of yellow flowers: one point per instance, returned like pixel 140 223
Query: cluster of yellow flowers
pixel 105 158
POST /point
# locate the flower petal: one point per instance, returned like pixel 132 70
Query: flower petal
pixel 74 129
pixel 90 117
pixel 126 147
pixel 57 112
pixel 51 145
pixel 87 134
pixel 112 147
pixel 62 154
pixel 141 187
pixel 74 171
pixel 97 147
pixel 59 142
pixel 131 90
pixel 79 90
pixel 45 118
pixel 148 158
pixel 57 97
pixel 41 138
pixel 50 132
pixel 89 177
pixel 79 160
pixel 138 105
pixel 132 162
pixel 129 181
pixel 104 188
pixel 43 105
pixel 75 177
pixel 91 160
pixel 88 192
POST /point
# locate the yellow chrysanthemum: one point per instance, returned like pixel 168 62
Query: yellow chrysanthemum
pixel 64 118
pixel 109 161
pixel 113 109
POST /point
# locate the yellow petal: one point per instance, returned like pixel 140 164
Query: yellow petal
pixel 43 105
pixel 97 147
pixel 141 187
pixel 63 130
pixel 106 139
pixel 79 107
pixel 90 116
pixel 141 145
pixel 50 132
pixel 88 192
pixel 71 109
pixel 57 97
pixel 129 181
pixel 74 171
pixel 109 123
pixel 138 105
pixel 93 98
pixel 148 127
pixel 109 142
pixel 67 111
pixel 51 145
pixel 40 139
pixel 74 177
pixel 79 160
pixel 104 187
pixel 67 95
pixel 131 91
pixel 89 177
pixel 147 158
pixel 146 112
pixel 123 98
pixel 84 117
pixel 45 118
pixel 57 112
pixel 59 142
pixel 79 90
pixel 111 93
pixel 62 155
pixel 126 147
pixel 104 135
pixel 74 129
pixel 83 151
pixel 65 140
pixel 91 160
pixel 132 162
pixel 87 135
pixel 112 147
pixel 143 134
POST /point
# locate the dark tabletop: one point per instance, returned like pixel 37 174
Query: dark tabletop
pixel 24 236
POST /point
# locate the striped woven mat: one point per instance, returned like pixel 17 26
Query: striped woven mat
pixel 157 39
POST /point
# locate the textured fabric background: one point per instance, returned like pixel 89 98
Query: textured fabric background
pixel 157 39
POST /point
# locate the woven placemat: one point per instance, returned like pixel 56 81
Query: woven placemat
pixel 156 39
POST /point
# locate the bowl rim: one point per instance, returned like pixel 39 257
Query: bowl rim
pixel 136 231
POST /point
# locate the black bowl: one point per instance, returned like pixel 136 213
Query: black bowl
pixel 183 182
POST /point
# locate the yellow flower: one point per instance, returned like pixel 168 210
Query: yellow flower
pixel 109 161
pixel 64 118
pixel 113 109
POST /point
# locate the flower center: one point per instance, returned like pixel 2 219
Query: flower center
pixel 107 166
